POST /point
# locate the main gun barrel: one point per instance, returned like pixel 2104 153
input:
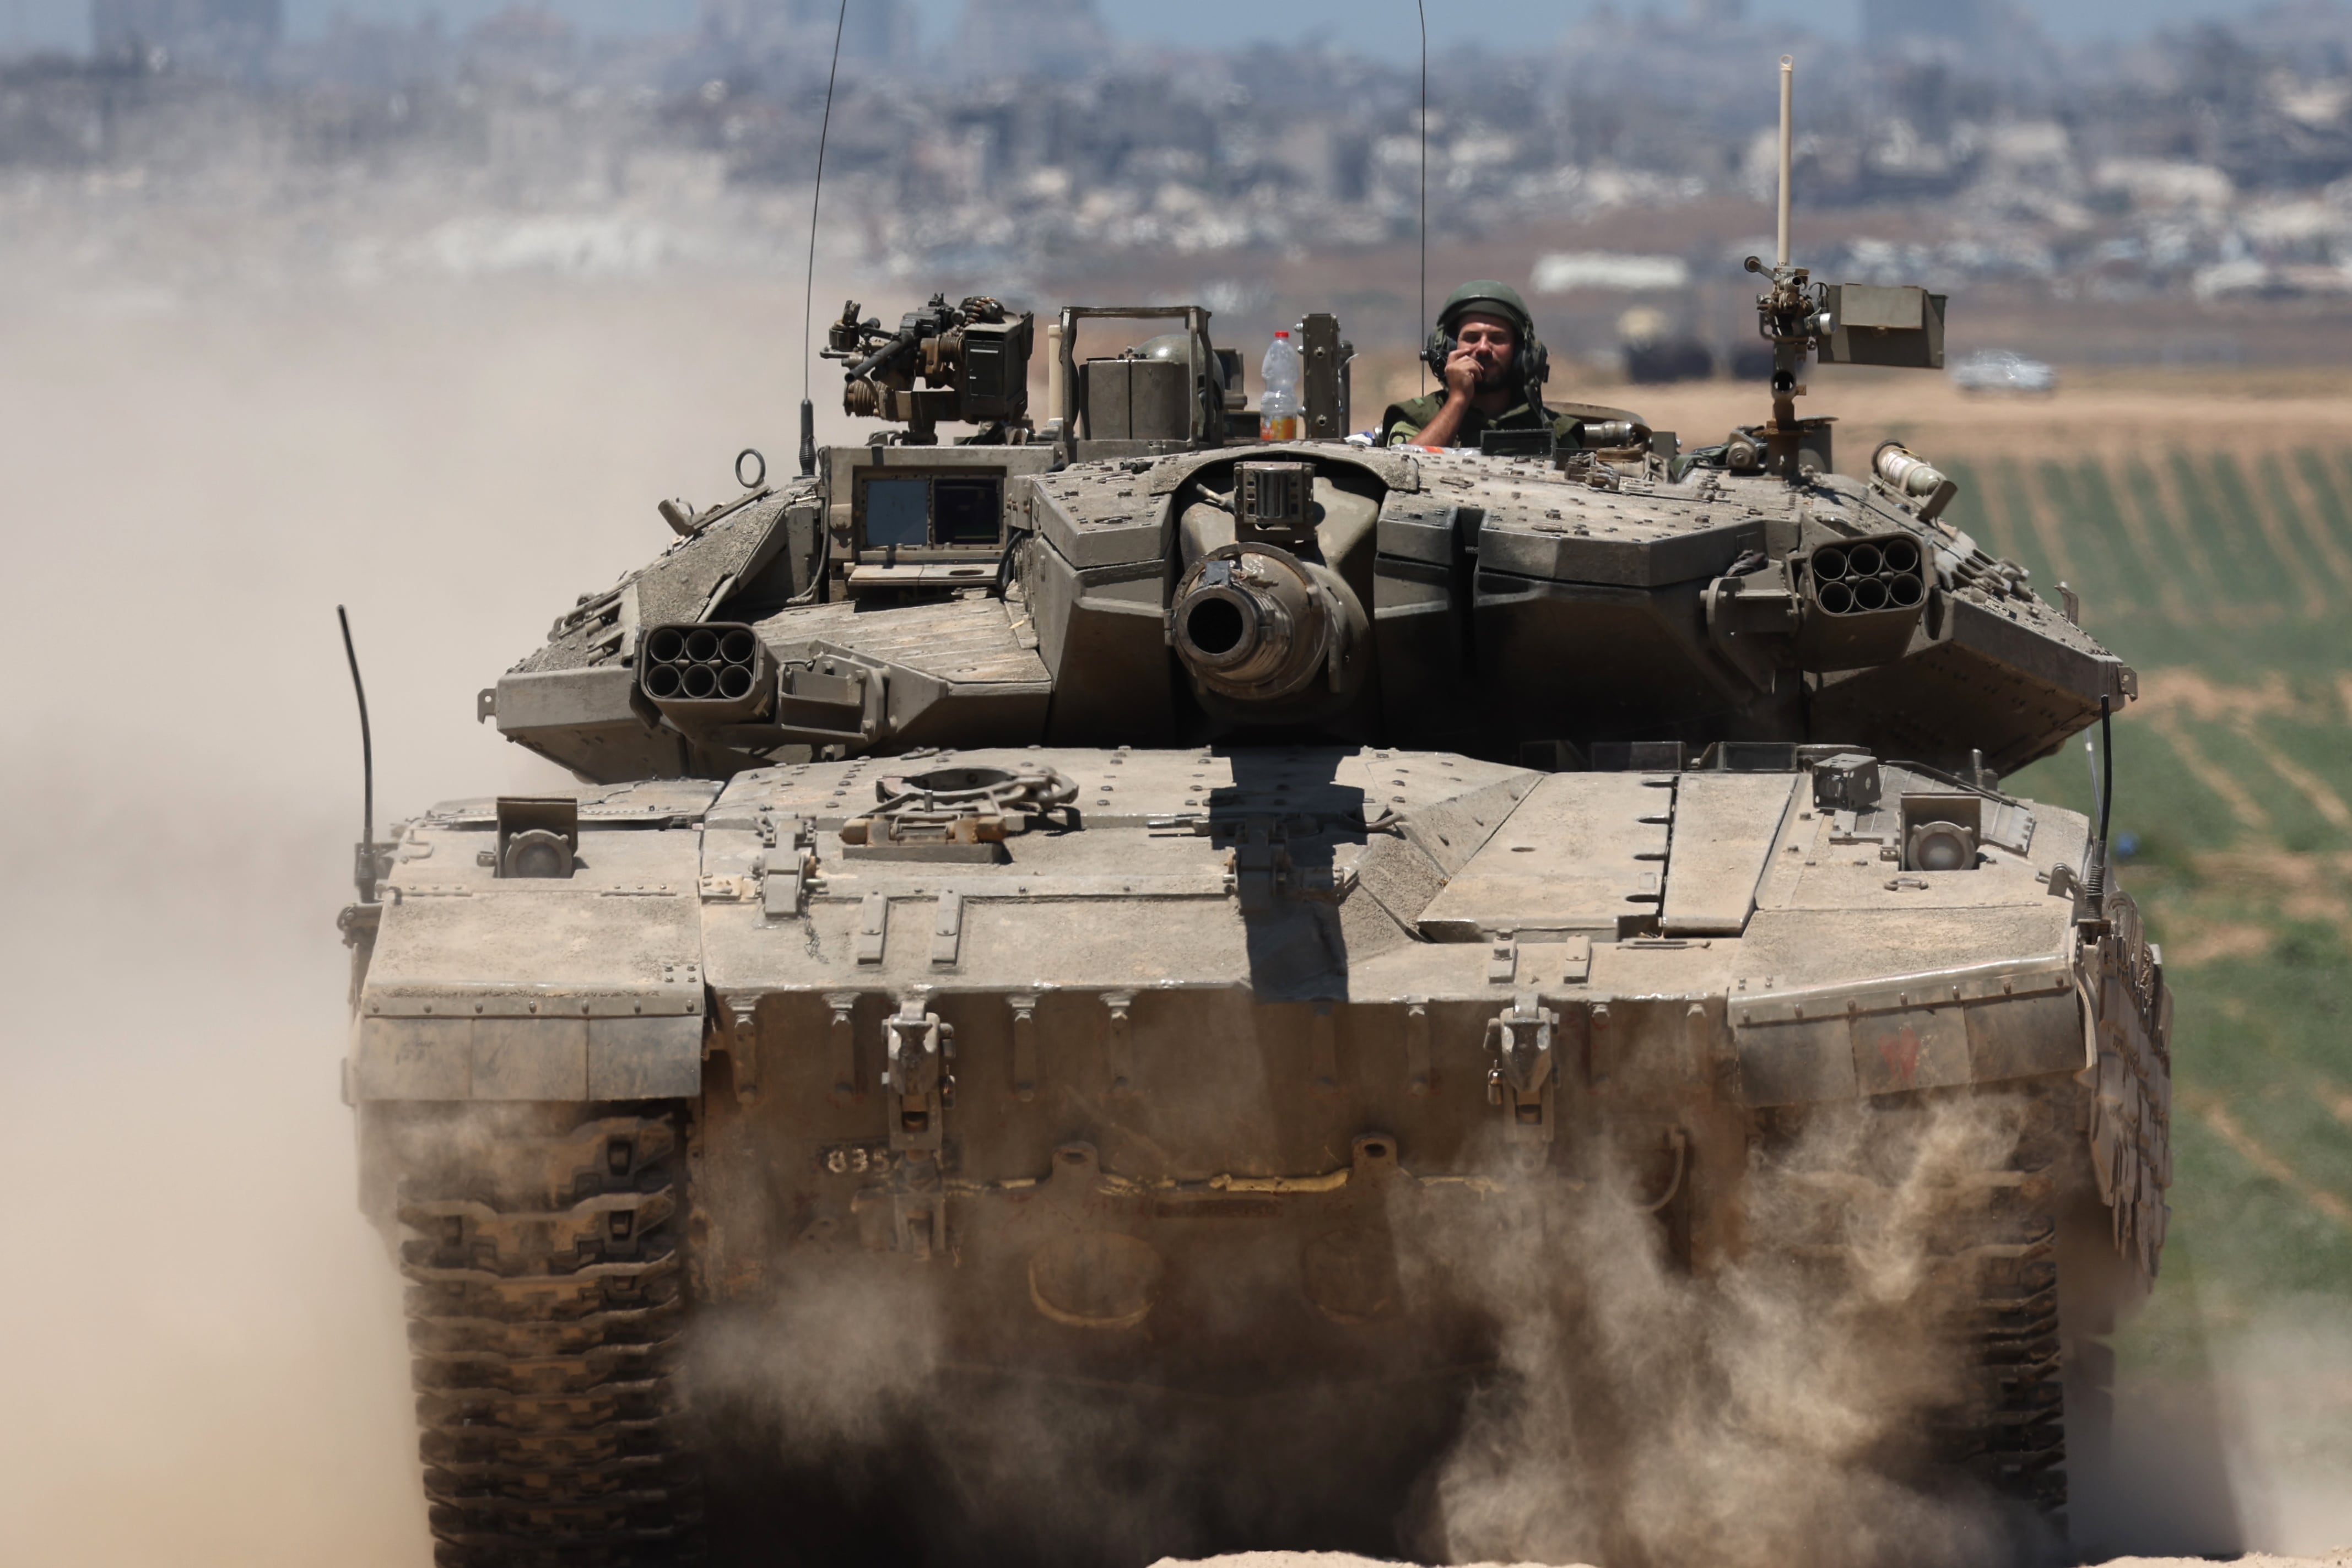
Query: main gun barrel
pixel 1257 624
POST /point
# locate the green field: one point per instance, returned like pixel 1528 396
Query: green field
pixel 2224 579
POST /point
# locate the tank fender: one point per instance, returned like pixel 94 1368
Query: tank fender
pixel 573 988
pixel 1984 1024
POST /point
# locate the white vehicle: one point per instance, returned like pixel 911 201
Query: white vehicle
pixel 1999 370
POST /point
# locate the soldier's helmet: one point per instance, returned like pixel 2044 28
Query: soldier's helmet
pixel 1485 296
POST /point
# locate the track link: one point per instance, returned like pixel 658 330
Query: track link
pixel 2011 1431
pixel 545 1312
pixel 1990 1285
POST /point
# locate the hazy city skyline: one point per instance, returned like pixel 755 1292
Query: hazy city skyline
pixel 64 24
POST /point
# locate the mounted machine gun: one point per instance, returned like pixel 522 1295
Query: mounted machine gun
pixel 972 359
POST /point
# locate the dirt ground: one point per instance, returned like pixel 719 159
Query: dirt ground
pixel 1342 1560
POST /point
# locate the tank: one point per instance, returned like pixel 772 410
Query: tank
pixel 1108 958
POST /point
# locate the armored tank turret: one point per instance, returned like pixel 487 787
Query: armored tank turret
pixel 995 860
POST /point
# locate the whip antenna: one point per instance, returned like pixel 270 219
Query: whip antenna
pixel 2095 877
pixel 808 291
pixel 363 872
pixel 1788 151
pixel 1420 9
pixel 2107 775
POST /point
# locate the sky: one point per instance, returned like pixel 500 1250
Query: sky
pixel 1382 28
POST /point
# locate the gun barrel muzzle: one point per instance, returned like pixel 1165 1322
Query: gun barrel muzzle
pixel 1254 624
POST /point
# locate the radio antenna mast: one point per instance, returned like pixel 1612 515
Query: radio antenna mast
pixel 1788 149
pixel 364 870
pixel 1420 9
pixel 2103 783
pixel 1786 316
pixel 808 289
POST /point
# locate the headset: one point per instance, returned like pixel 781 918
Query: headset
pixel 1530 359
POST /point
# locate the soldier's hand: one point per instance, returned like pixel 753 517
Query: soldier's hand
pixel 1463 370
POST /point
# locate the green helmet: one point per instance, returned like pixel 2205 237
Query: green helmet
pixel 1493 299
pixel 1486 295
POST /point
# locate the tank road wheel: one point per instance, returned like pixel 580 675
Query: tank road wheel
pixel 544 1309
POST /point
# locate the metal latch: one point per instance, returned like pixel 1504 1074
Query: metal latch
pixel 919 1213
pixel 914 1049
pixel 1262 870
pixel 843 1052
pixel 787 869
pixel 1260 857
pixel 906 1211
pixel 1521 1081
pixel 743 1045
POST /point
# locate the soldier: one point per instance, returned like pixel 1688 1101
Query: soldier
pixel 1481 351
pixel 1486 352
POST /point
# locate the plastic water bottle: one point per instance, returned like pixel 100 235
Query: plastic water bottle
pixel 1278 413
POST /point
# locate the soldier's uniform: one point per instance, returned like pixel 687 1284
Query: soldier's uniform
pixel 1401 423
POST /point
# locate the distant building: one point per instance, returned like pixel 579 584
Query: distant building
pixel 225 33
pixel 1968 23
pixel 522 41
pixel 1014 35
pixel 881 30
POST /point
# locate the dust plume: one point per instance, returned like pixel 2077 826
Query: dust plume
pixel 834 1362
pixel 1777 1412
pixel 209 1364
pixel 841 1419
pixel 2288 1379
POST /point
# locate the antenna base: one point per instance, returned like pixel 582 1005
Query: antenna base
pixel 1793 446
pixel 1788 317
pixel 359 924
pixel 367 869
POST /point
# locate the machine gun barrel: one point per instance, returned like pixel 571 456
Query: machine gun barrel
pixel 901 343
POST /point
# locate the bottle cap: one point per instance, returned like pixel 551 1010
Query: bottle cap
pixel 1281 333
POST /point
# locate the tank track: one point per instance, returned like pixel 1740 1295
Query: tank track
pixel 1990 1290
pixel 2131 1117
pixel 545 1308
pixel 2011 1431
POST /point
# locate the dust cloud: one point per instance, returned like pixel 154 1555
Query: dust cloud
pixel 207 1358
pixel 2285 1387
pixel 1766 1415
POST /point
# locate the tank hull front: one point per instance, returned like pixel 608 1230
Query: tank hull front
pixel 1260 1099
